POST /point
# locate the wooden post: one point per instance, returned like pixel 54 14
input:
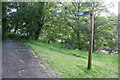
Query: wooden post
pixel 91 39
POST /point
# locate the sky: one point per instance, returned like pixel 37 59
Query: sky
pixel 113 9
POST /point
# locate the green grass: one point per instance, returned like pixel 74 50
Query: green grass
pixel 73 63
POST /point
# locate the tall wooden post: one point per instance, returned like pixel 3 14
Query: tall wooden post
pixel 91 39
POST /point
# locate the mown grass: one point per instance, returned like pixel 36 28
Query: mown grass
pixel 73 63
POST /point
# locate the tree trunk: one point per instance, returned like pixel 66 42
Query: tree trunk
pixel 15 29
pixel 78 36
pixel 78 32
pixel 94 36
pixel 37 34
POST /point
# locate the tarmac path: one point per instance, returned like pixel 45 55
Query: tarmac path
pixel 18 62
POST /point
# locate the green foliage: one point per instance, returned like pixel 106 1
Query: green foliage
pixel 56 23
pixel 105 34
pixel 74 33
pixel 27 20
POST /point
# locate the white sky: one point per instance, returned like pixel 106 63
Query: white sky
pixel 114 9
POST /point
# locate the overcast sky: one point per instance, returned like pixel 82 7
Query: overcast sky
pixel 114 9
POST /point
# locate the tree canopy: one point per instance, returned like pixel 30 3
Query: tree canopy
pixel 55 22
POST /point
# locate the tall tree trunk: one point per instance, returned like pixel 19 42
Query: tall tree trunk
pixel 37 34
pixel 79 44
pixel 16 28
pixel 94 35
pixel 78 32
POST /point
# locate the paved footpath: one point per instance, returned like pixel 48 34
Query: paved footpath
pixel 18 62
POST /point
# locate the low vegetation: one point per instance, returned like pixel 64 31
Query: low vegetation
pixel 72 63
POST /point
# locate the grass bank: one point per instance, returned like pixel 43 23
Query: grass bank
pixel 72 63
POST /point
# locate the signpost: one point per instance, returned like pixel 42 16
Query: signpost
pixel 91 34
pixel 82 13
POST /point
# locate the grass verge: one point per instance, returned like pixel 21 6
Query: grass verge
pixel 72 63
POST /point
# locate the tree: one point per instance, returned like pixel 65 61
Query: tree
pixel 56 22
pixel 28 19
